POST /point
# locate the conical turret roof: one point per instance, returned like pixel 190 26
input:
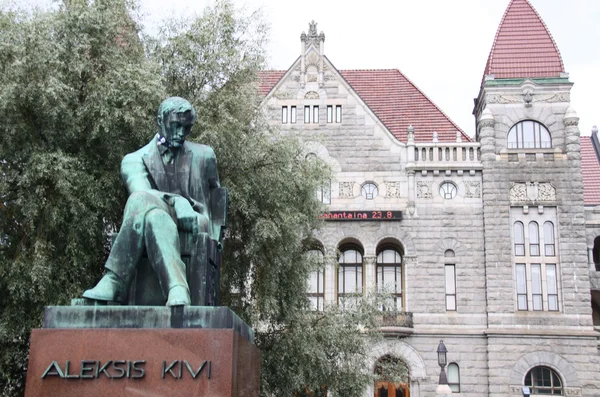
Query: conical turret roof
pixel 523 47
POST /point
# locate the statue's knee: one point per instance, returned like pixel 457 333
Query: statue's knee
pixel 140 199
pixel 158 217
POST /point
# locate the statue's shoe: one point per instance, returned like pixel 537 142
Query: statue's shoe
pixel 109 288
pixel 179 295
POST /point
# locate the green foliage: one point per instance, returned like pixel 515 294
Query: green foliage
pixel 79 88
pixel 76 94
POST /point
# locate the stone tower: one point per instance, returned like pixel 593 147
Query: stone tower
pixel 535 246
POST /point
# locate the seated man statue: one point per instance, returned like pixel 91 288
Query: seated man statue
pixel 169 183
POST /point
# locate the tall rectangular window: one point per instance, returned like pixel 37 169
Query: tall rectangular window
pixel 350 277
pixel 450 287
pixel 536 286
pixel 552 287
pixel 521 287
pixel 324 192
pixel 316 114
pixel 315 289
pixel 306 114
pixel 338 113
pixel 329 113
pixel 284 114
pixel 293 115
pixel 534 247
pixel 316 280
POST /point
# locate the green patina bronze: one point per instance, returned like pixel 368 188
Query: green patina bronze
pixel 168 249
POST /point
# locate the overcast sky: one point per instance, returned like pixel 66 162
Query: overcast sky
pixel 441 45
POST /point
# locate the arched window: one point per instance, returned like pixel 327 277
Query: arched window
pixel 454 377
pixel 534 239
pixel 543 381
pixel 316 280
pixel 350 275
pixel 389 275
pixel 519 238
pixel 529 134
pixel 369 190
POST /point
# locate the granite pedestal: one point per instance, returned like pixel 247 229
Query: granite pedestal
pixel 142 351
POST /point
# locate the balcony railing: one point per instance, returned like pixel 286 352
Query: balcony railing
pixel 395 319
pixel 447 153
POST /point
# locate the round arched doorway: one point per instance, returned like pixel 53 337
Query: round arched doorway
pixel 391 377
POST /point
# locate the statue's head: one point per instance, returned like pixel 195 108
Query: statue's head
pixel 176 117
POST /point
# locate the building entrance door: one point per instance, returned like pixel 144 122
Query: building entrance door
pixel 393 377
pixel 387 389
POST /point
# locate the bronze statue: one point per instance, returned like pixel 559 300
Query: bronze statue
pixel 172 185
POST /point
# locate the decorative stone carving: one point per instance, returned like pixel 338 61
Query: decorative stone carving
pixel 503 99
pixel 571 122
pixel 546 192
pixel 518 192
pixel 424 189
pixel 312 28
pixel 296 78
pixel 311 94
pixel 330 77
pixel 472 189
pixel 528 97
pixel 311 78
pixel 392 189
pixel 284 95
pixel 532 192
pixel 346 189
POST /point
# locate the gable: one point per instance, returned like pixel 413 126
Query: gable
pixel 393 99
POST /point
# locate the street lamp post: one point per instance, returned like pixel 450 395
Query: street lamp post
pixel 443 389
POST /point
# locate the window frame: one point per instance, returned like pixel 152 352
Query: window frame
pixel 319 295
pixel 324 192
pixel 454 386
pixel 341 279
pixel 284 115
pixel 448 195
pixel 450 294
pixel 315 114
pixel 329 114
pixel 293 114
pixel 338 113
pixel 369 190
pixel 536 274
pixel 554 390
pixel 380 280
pixel 307 113
pixel 515 138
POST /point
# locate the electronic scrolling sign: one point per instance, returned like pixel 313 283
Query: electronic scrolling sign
pixel 383 215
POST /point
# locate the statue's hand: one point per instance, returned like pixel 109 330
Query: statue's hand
pixel 188 220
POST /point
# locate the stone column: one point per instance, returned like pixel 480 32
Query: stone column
pixel 369 266
pixel 331 261
pixel 487 135
pixel 572 144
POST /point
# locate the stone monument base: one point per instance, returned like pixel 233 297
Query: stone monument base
pixel 210 354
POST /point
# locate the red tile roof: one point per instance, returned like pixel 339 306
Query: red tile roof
pixel 523 46
pixel 394 99
pixel 267 80
pixel 590 171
